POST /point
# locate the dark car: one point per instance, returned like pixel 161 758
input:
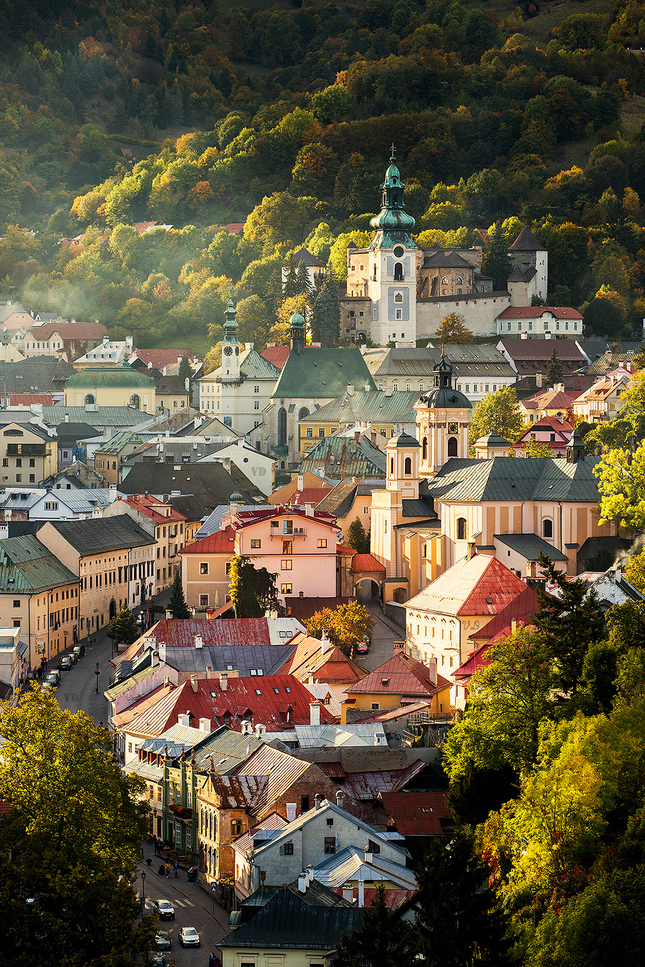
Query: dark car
pixel 192 873
pixel 79 651
pixel 163 940
pixel 66 663
pixel 53 677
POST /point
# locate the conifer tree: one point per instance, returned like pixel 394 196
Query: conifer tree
pixel 383 939
pixel 123 627
pixel 303 281
pixel 177 603
pixel 357 538
pixel 496 261
pixel 325 320
pixel 554 370
pixel 290 286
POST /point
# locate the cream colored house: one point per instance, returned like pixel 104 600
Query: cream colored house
pixel 603 400
pixel 28 451
pixel 111 386
pixel 204 570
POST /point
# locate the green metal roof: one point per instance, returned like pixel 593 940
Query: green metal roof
pixel 322 374
pixel 342 456
pixel 517 479
pixel 27 566
pixel 105 377
pixel 119 441
pixel 375 408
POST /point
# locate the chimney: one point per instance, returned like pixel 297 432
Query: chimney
pixel 303 882
pixel 309 510
pixel 223 682
pixel 199 641
pixel 317 800
pixel 357 435
pixel 67 417
pixel 538 380
pixel 301 481
pixel 513 625
pixel 314 713
pixel 399 646
pixel 291 811
pixel 432 670
pixel 324 643
pixel 169 614
pixel 166 681
pixel 348 893
pixel 205 725
pixel 340 800
pixel 524 334
pixel 184 719
pixel 361 894
pixel 194 683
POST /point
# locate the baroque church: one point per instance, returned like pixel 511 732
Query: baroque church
pixel 398 292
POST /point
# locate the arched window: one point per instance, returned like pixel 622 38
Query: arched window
pixel 304 412
pixel 135 401
pixel 459 280
pixel 392 465
pixel 547 528
pixel 461 528
pixel 89 399
pixel 425 448
pixel 282 426
pixel 398 272
pixel 398 297
pixel 407 466
pixel 452 446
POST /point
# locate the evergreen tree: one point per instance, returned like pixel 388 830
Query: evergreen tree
pixel 177 603
pixel 303 281
pixel 383 939
pixel 496 261
pixel 290 285
pixel 185 372
pixel 554 371
pixel 123 627
pixel 357 538
pixel 325 320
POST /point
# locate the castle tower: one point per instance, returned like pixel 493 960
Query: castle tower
pixel 402 470
pixel 443 416
pixel 531 261
pixel 392 280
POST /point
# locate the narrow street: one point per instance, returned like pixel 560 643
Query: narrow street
pixel 385 634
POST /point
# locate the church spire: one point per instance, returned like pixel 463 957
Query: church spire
pixel 392 224
pixel 297 332
pixel 230 325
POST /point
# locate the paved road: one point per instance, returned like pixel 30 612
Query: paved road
pixel 385 634
pixel 193 908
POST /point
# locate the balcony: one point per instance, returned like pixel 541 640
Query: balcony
pixel 182 812
pixel 276 533
pixel 28 450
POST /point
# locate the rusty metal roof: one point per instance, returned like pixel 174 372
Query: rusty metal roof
pixel 417 813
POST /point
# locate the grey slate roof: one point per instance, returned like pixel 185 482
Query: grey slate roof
pixel 507 478
pixel 322 374
pixel 240 658
pixel 102 534
pixel 446 259
pixel 287 921
pixel 104 416
pixel 526 242
pixel 530 546
pixel 344 457
pixel 339 500
pixel 40 374
pixel 209 482
pixel 368 407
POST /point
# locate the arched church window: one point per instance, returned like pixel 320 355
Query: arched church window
pixel 407 466
pixel 425 448
pixel 547 528
pixel 461 528
pixel 392 465
pixel 135 401
pixel 398 272
pixel 282 426
pixel 459 280
pixel 89 399
pixel 398 297
pixel 452 446
pixel 304 412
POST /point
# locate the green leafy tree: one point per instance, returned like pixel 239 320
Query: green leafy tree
pixel 554 369
pixel 603 318
pixel 621 482
pixel 325 316
pixel 330 103
pixel 533 449
pixel 383 939
pixel 357 538
pixel 177 603
pixel 453 329
pixel 498 413
pixel 70 841
pixel 123 627
pixel 608 435
pixel 252 590
pixel 347 625
pixel 496 261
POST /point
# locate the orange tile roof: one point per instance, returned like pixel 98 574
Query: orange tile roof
pixel 221 542
pixel 277 355
pixel 309 495
pixel 346 551
pixel 417 813
pixel 27 399
pixel 400 675
pixel 366 562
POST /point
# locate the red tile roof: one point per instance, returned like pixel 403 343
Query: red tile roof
pixel 277 355
pixel 245 518
pixel 534 312
pixel 345 551
pixel 221 542
pixel 310 495
pixel 27 399
pixel 553 399
pixel 417 813
pixel 181 633
pixel 400 675
pixel 480 585
pixel 69 330
pixel 393 898
pixel 163 357
pixel 276 701
pixel 521 608
pixel 153 508
pixel 366 562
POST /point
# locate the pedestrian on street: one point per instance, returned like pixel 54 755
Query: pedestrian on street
pixel 168 868
pixel 176 867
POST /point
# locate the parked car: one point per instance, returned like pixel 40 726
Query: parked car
pixel 66 663
pixel 188 937
pixel 192 873
pixel 164 909
pixel 53 677
pixel 363 647
pixel 163 940
pixel 79 651
pixel 48 687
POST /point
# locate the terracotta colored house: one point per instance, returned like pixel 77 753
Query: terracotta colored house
pixel 400 681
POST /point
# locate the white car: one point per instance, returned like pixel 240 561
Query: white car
pixel 164 909
pixel 188 937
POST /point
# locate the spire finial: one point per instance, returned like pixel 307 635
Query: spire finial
pixel 393 155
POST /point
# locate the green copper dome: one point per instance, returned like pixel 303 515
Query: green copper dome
pixel 297 320
pixel 393 224
pixel 230 325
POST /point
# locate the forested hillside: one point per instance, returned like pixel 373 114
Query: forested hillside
pixel 285 113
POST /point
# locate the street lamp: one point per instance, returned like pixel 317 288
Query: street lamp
pixel 143 892
pixel 97 673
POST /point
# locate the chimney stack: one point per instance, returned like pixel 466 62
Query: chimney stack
pixel 194 683
pixel 314 713
pixel 317 800
pixel 340 800
pixel 223 682
pixel 199 641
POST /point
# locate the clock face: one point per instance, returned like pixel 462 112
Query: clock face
pixel 228 350
pixel 453 427
pixel 398 251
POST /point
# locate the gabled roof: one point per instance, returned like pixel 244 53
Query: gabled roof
pixel 446 259
pixel 480 585
pixel 211 482
pixel 69 330
pixel 366 562
pixel 400 675
pixel 344 457
pixel 304 255
pixel 520 610
pixel 540 349
pixel 221 542
pixel 27 566
pixel 530 546
pixel 319 374
pixel 340 500
pixel 309 661
pixel 95 377
pixel 552 399
pixel 375 408
pixel 154 509
pixel 527 242
pixel 101 534
pixel 176 633
pixel 536 312
pixel 276 355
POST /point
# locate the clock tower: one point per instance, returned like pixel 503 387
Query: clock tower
pixel 231 347
pixel 443 418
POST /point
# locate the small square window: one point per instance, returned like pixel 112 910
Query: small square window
pixel 203 568
pixel 286 565
pixel 256 543
pixel 286 589
pixel 322 542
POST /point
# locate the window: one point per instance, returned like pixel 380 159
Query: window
pixel 90 399
pixel 286 564
pixel 256 389
pixel 236 827
pixel 322 542
pixel 321 431
pixel 398 272
pixel 373 847
pixel 256 404
pixel 286 589
pixel 256 543
pixel 375 706
pixel 16 604
pixel 547 528
pixel 18 462
pixel 310 431
pixel 452 446
pixel 330 844
pixel 32 478
pixel 51 505
pixel 18 478
pixel 5 462
pixel 203 600
pixel 398 297
pixel 461 528
pixel 287 528
pixel 397 315
pixel 203 568
pixel 286 849
pixel 282 426
pixel 135 401
pixel 32 462
pixel 407 466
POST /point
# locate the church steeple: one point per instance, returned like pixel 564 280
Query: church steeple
pixel 231 345
pixel 297 332
pixel 443 415
pixel 230 325
pixel 393 224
